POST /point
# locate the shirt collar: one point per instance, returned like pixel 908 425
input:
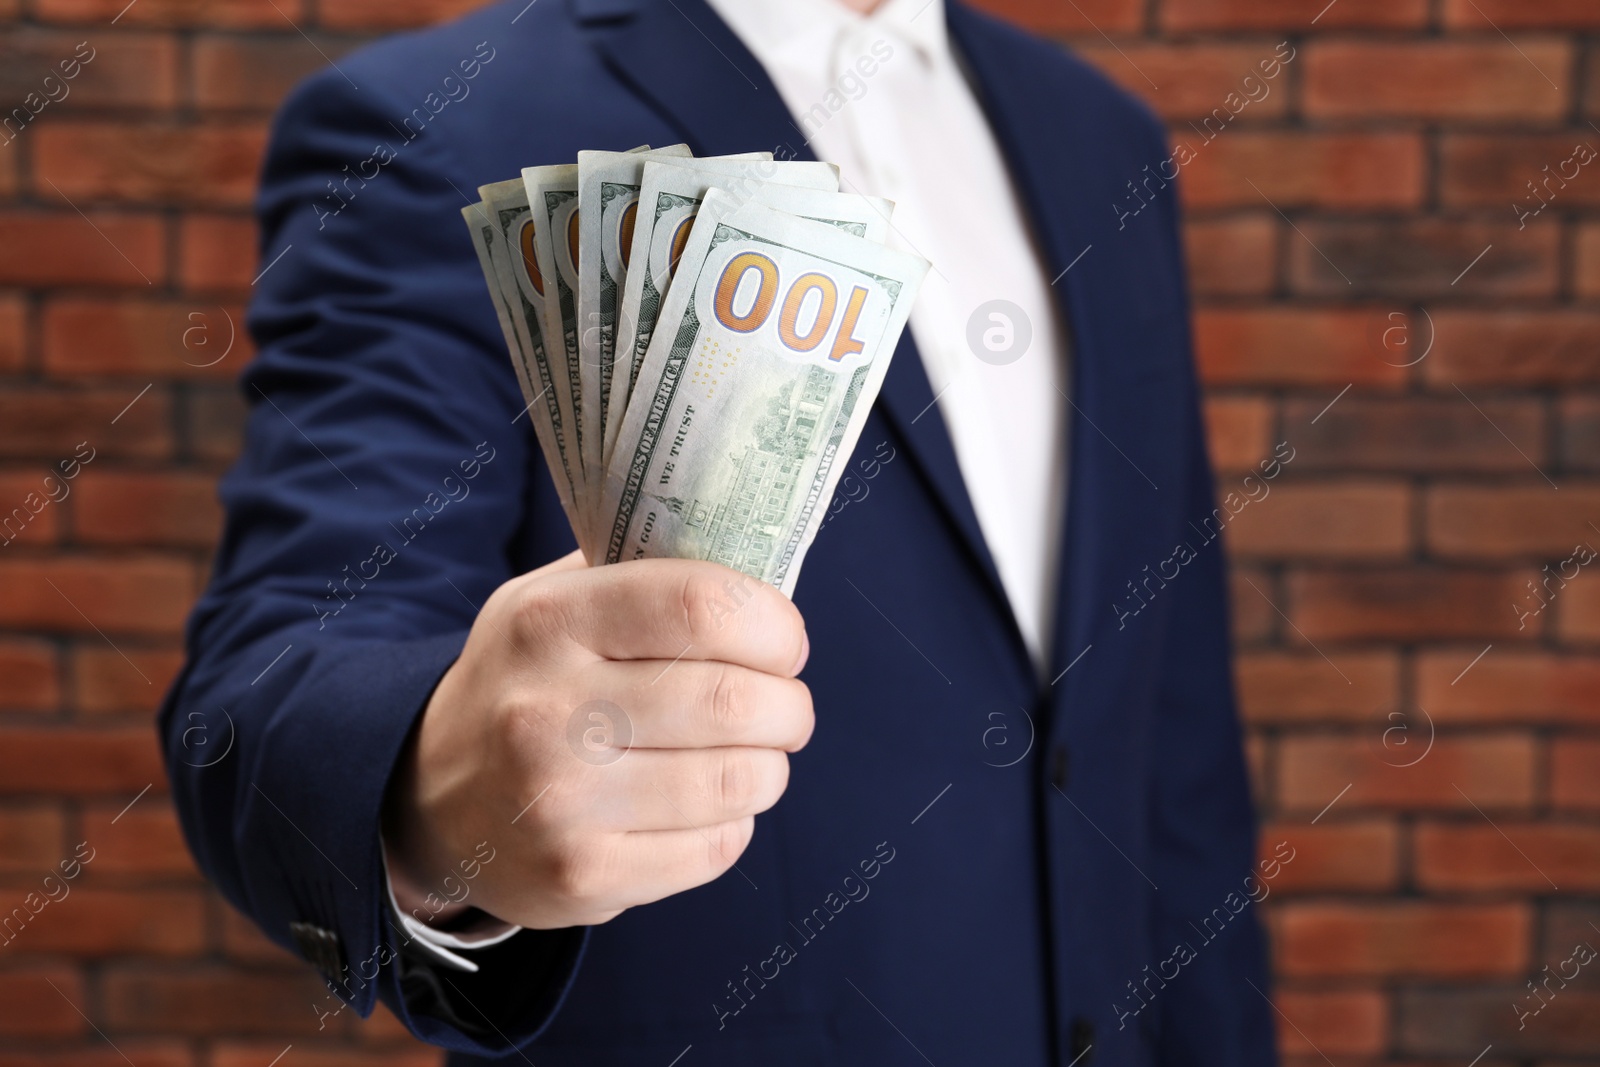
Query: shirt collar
pixel 774 28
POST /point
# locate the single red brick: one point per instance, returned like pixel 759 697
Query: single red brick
pixel 1497 522
pixel 143 840
pixel 216 252
pixel 93 425
pixel 1248 347
pixel 142 998
pixel 255 72
pixel 1288 169
pixel 42 1001
pixel 1236 256
pixel 1420 258
pixel 1575 773
pixel 1189 15
pixel 1340 520
pixel 13 331
pixel 29 514
pixel 90 922
pixel 1351 1022
pixel 1526 857
pixel 1516 348
pixel 1566 922
pixel 398 14
pixel 1508 171
pixel 29 676
pixel 63 248
pixel 1412 940
pixel 215 163
pixel 1198 80
pixel 90 337
pixel 1400 605
pixel 1577 612
pixel 80 762
pixel 1441 80
pixel 1237 429
pixel 147 510
pixel 32 839
pixel 1586 261
pixel 1351 857
pixel 1483 16
pixel 102 683
pixel 1416 434
pixel 130 70
pixel 1444 1024
pixel 137 595
pixel 1509 686
pixel 1494 772
pixel 274 14
pixel 1298 687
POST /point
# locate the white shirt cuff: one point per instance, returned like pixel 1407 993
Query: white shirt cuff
pixel 437 943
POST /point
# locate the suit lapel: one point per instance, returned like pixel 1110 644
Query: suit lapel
pixel 682 57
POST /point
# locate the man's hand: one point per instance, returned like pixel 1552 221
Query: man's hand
pixel 610 732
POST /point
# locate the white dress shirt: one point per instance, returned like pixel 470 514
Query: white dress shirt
pixel 912 130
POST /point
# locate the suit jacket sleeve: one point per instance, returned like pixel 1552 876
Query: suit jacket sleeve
pixel 384 487
pixel 1203 832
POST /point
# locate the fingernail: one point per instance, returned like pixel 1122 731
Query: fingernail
pixel 805 654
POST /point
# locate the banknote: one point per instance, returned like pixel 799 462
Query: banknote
pixel 771 346
pixel 552 194
pixel 608 194
pixel 502 236
pixel 669 203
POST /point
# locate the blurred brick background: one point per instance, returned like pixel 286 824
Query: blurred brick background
pixel 1337 226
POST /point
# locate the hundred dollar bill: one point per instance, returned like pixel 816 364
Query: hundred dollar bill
pixel 552 194
pixel 518 300
pixel 771 347
pixel 674 218
pixel 608 195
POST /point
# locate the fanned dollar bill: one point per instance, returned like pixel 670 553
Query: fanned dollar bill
pixel 774 340
pixel 502 235
pixel 552 194
pixel 669 198
pixel 608 195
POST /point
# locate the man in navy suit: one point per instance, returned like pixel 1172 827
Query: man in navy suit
pixel 1014 824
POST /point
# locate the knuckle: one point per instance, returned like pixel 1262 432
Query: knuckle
pixel 541 608
pixel 735 781
pixel 579 873
pixel 729 703
pixel 701 600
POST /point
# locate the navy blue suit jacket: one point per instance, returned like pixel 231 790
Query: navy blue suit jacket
pixel 969 866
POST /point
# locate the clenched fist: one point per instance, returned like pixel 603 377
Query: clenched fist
pixel 610 732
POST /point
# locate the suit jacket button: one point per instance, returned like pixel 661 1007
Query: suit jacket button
pixel 320 947
pixel 1080 1041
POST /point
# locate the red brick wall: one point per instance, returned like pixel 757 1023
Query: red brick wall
pixel 1335 231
